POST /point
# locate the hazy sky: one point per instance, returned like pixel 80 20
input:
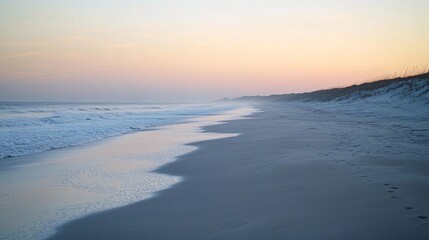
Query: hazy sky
pixel 164 50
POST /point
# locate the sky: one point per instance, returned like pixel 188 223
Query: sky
pixel 191 50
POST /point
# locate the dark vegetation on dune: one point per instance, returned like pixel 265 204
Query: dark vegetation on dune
pixel 416 83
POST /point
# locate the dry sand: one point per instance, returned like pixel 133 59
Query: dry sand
pixel 293 173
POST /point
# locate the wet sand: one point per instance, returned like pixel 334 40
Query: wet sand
pixel 292 173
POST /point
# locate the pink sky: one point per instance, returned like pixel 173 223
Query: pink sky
pixel 202 50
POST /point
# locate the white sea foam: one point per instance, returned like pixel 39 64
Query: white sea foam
pixel 27 128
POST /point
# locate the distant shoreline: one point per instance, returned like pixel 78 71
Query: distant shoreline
pixel 415 83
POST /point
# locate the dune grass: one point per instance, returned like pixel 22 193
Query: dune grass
pixel 340 93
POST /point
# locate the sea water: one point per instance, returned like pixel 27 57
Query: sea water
pixel 27 128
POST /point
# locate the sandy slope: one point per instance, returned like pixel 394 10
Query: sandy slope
pixel 295 172
pixel 411 89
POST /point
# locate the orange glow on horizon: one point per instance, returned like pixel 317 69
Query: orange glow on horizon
pixel 287 48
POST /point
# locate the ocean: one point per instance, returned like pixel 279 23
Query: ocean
pixel 27 128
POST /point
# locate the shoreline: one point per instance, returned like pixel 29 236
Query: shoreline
pixel 288 175
pixel 43 190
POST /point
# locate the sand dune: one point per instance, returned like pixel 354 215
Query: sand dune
pixel 413 88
